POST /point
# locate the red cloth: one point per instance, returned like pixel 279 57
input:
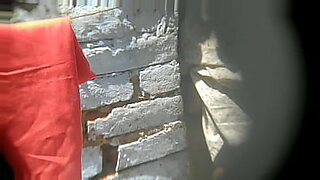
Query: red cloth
pixel 41 66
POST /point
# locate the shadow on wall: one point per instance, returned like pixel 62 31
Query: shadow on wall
pixel 257 39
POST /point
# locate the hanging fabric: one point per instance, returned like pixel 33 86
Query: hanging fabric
pixel 41 67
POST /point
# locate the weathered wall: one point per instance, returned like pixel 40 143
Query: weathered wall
pixel 133 109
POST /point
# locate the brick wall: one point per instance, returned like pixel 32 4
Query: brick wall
pixel 132 113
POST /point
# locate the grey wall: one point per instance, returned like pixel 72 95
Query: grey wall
pixel 134 106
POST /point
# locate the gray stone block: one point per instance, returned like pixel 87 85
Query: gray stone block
pixel 90 26
pixel 106 90
pixel 172 167
pixel 153 147
pixel 160 78
pixel 91 161
pixel 139 51
pixel 124 46
pixel 137 116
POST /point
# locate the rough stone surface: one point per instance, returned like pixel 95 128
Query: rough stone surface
pixel 160 78
pixel 124 54
pixel 172 167
pixel 153 147
pixel 106 90
pixel 106 24
pixel 142 115
pixel 112 43
pixel 146 13
pixel 91 161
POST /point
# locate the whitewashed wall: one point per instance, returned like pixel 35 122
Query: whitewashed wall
pixel 133 50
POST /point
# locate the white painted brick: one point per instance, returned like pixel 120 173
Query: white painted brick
pixel 160 78
pixel 153 147
pixel 91 161
pixel 106 90
pixel 173 166
pixel 142 115
pixel 102 25
pixel 128 47
pixel 139 52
